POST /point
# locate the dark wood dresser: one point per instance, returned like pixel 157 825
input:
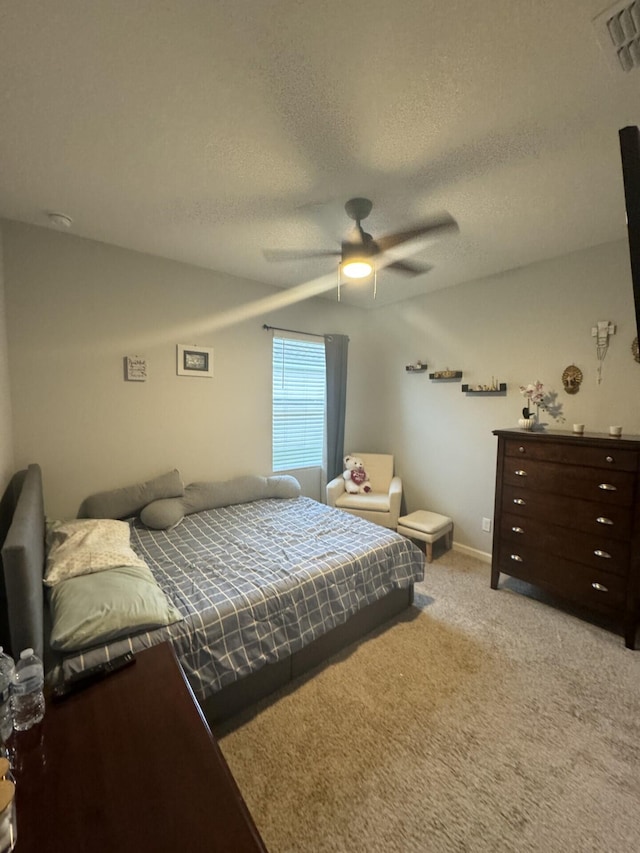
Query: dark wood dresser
pixel 567 518
pixel 128 766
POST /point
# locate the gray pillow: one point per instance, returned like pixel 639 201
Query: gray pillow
pixel 164 514
pixel 93 609
pixel 283 486
pixel 128 501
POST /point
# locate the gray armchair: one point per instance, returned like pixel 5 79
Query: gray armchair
pixel 382 504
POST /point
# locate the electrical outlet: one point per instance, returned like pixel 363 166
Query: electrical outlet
pixel 486 525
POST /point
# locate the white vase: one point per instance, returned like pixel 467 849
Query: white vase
pixel 526 423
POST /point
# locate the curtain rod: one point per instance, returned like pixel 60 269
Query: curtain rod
pixel 294 331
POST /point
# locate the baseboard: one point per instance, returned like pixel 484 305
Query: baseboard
pixel 472 552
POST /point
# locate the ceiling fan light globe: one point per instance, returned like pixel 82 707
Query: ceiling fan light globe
pixel 357 268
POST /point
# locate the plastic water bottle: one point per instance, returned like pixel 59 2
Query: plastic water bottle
pixel 27 698
pixel 7 670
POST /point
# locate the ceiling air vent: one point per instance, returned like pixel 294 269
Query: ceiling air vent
pixel 618 30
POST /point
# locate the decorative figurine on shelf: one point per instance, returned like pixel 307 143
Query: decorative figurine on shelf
pixel 355 477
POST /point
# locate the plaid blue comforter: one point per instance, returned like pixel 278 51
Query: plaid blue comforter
pixel 256 582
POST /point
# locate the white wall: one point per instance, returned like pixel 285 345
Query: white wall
pixel 6 430
pixel 76 307
pixel 524 325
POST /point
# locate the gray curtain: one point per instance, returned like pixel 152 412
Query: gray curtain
pixel 336 347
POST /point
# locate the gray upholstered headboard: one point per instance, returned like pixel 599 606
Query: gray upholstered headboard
pixel 23 555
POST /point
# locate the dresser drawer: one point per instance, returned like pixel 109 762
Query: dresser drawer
pixel 612 458
pixel 574 513
pixel 606 487
pixel 598 552
pixel 598 590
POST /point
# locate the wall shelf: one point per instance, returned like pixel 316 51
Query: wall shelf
pixel 445 375
pixel 416 368
pixel 485 389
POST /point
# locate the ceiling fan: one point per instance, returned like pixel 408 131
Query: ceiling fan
pixel 358 253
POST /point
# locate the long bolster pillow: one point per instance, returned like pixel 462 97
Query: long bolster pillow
pixel 128 501
pixel 166 513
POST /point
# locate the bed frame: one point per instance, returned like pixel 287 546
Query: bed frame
pixel 23 559
pixel 23 554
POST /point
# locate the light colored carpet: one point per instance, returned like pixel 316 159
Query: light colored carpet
pixel 479 721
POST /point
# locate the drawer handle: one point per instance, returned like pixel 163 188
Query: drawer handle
pixel 602 520
pixel 516 558
pixel 600 587
pixel 521 450
pixel 520 473
pixel 608 487
pixel 609 459
pixel 602 554
pixel 517 530
pixel 519 501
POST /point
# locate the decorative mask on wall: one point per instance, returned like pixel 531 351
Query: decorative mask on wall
pixel 571 379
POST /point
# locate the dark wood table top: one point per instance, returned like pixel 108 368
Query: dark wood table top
pixel 128 764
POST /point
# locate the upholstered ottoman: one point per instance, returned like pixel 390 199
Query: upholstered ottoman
pixel 427 527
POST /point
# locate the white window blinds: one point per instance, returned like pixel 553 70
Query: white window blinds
pixel 299 382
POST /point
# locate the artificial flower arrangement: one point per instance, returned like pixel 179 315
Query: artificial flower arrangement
pixel 548 402
pixel 534 393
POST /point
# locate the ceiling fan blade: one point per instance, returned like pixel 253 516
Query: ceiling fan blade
pixel 296 255
pixel 434 228
pixel 408 268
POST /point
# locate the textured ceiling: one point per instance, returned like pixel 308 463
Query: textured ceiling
pixel 209 130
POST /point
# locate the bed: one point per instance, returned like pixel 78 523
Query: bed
pixel 262 585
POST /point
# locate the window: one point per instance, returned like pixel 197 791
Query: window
pixel 299 381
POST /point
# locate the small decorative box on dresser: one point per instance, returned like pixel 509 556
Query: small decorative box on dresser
pixel 567 518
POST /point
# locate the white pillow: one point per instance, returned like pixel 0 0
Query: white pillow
pixel 84 546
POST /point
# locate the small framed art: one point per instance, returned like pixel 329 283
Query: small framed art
pixel 194 361
pixel 135 368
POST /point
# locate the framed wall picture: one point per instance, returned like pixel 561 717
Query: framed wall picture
pixel 194 361
pixel 135 368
